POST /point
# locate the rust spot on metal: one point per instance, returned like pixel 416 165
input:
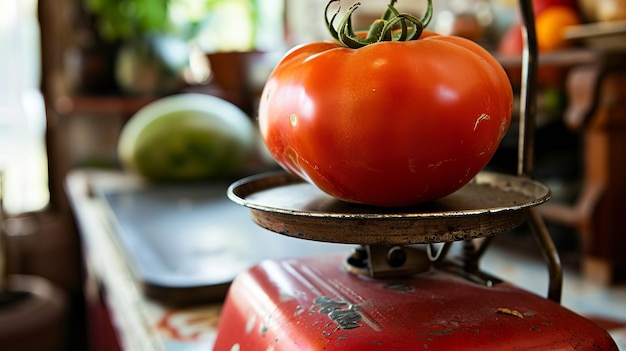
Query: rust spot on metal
pixel 442 332
pixel 346 319
pixel 298 311
pixel 510 312
pixel 399 287
pixel 343 336
pixel 346 315
pixel 327 304
pixel 428 336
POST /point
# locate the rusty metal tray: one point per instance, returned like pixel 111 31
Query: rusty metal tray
pixel 491 203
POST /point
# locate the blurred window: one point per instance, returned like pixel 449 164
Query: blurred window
pixel 23 159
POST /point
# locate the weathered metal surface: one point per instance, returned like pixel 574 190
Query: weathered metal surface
pixel 313 304
pixel 492 203
pixel 382 261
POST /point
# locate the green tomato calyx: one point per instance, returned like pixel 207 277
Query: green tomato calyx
pixel 392 26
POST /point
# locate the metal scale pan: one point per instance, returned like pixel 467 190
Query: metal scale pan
pixel 491 203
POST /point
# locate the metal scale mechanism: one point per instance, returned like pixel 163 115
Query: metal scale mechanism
pixel 399 290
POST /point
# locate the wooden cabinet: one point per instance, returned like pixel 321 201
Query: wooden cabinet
pixel 597 110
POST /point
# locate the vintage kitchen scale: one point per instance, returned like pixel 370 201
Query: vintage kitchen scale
pixel 398 290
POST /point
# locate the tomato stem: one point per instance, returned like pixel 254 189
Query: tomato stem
pixel 392 26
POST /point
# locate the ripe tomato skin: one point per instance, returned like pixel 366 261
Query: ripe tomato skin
pixel 390 124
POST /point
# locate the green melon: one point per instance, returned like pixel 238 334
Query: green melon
pixel 187 137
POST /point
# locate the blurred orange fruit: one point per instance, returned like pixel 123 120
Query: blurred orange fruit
pixel 550 26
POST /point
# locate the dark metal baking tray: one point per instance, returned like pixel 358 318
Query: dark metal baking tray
pixel 185 243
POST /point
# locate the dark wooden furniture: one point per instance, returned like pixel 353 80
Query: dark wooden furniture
pixel 597 110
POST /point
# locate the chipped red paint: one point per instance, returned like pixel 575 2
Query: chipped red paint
pixel 287 305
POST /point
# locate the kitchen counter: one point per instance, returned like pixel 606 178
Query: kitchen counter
pixel 159 257
pixel 139 322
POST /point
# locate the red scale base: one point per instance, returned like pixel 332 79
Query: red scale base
pixel 314 304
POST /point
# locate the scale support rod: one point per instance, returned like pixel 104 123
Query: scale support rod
pixel 528 93
pixel 528 106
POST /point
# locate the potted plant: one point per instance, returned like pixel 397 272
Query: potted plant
pixel 153 37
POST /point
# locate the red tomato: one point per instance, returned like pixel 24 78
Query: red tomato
pixel 389 124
